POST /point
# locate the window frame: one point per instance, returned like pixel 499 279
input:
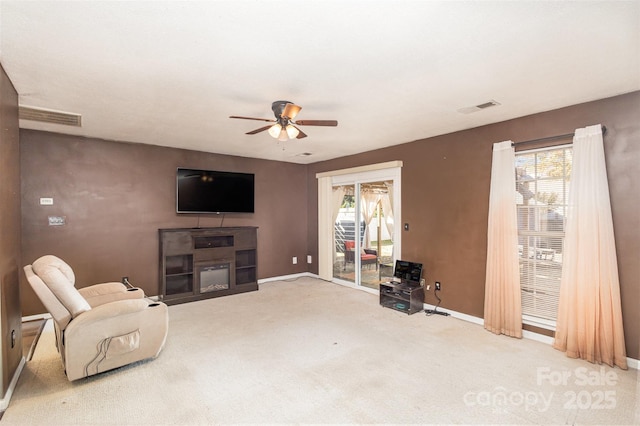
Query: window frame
pixel 527 318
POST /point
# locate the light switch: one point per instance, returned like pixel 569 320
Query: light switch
pixel 56 220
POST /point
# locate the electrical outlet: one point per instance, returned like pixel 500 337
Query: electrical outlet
pixel 309 259
pixel 437 285
pixel 295 260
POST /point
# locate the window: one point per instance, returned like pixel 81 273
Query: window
pixel 542 185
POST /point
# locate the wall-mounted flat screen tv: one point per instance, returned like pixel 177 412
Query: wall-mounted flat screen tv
pixel 210 191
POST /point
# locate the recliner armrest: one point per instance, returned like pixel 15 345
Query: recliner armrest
pixel 110 310
pixel 99 294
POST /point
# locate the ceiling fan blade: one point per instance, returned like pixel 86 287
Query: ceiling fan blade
pixel 261 129
pixel 331 123
pixel 301 134
pixel 290 111
pixel 253 118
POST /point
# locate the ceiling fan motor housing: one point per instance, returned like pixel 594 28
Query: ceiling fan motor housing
pixel 278 108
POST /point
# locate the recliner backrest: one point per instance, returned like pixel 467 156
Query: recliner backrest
pixel 59 278
pixel 59 313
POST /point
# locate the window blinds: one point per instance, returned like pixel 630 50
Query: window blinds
pixel 542 185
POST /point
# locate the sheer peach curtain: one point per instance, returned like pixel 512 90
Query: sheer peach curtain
pixel 589 324
pixel 502 300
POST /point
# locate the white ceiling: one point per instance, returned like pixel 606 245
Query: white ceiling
pixel 170 73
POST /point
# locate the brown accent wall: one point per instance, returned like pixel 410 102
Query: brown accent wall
pixel 10 263
pixel 445 199
pixel 115 196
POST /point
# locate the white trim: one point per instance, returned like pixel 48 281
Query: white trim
pixel 546 148
pixel 455 314
pixel 391 170
pixel 287 277
pixel 360 169
pixel 539 322
pixel 325 228
pixel 527 318
pixel 532 335
pixel 28 318
pixel 4 402
pixel 363 177
pixel 353 285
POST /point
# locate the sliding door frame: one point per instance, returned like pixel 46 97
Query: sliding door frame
pixel 326 181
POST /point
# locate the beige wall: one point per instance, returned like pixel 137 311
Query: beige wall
pixel 115 196
pixel 10 263
pixel 445 199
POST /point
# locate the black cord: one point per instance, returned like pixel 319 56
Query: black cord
pixel 435 311
pixel 221 222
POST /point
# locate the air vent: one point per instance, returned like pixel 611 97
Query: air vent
pixel 50 116
pixel 480 107
pixel 487 104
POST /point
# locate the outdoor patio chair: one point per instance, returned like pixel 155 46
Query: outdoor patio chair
pixel 367 256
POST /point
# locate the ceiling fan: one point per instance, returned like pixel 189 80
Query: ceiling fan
pixel 284 127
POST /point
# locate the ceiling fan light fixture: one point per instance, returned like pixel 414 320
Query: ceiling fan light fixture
pixel 292 132
pixel 283 135
pixel 275 130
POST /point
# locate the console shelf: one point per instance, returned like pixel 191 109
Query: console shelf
pixel 200 263
pixel 402 297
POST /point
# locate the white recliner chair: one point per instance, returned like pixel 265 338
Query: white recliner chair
pixel 100 327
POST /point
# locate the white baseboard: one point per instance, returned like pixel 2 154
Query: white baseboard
pixel 4 402
pixel 455 314
pixel 633 363
pixel 36 317
pixel 287 277
pixel 537 337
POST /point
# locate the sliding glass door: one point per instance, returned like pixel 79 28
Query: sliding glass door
pixel 344 233
pixel 364 232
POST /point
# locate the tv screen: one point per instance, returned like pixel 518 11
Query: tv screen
pixel 408 272
pixel 209 191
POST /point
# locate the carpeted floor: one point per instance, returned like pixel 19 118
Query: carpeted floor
pixel 309 351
